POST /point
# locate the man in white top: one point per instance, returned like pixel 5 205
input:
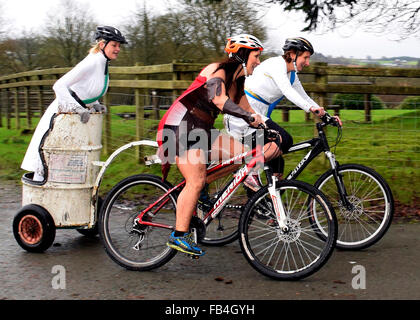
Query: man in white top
pixel 272 80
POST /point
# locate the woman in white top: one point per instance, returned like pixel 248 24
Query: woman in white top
pixel 272 80
pixel 77 91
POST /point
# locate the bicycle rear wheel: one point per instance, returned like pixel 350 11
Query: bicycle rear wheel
pixel 372 205
pixel 131 245
pixel 300 251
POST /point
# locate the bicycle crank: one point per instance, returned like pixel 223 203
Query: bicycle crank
pixel 199 226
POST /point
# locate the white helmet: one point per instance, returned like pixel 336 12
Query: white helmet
pixel 246 41
pixel 242 41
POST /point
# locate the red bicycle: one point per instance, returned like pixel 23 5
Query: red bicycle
pixel 288 229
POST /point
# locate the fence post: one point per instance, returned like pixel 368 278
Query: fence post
pixel 7 103
pixel 40 98
pixel 308 115
pixel 368 107
pixel 285 113
pixel 1 108
pixel 107 124
pixel 336 109
pixel 175 76
pixel 155 103
pixel 17 111
pixel 139 100
pixel 27 107
pixel 321 78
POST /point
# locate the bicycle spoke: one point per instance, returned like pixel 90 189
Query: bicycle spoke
pixel 132 244
pixel 369 214
pixel 295 251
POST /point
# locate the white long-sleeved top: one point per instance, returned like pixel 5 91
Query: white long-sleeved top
pixel 270 81
pixel 87 79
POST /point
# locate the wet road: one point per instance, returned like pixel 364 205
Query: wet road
pixel 76 267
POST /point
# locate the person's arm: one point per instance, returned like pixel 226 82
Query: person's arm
pixel 217 94
pixel 315 108
pixel 61 87
pixel 279 74
pixel 297 85
pixel 244 104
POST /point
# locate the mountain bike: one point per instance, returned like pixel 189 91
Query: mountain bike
pixel 361 197
pixel 288 229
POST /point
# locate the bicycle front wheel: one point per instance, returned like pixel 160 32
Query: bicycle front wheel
pixel 298 252
pixel 135 246
pixel 372 205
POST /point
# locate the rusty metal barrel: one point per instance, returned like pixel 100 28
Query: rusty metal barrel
pixel 70 150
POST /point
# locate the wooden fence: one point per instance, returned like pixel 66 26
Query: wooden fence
pixel 30 92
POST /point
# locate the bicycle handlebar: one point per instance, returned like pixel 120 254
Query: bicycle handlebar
pixel 328 119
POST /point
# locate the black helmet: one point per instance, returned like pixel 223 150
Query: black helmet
pixel 300 44
pixel 109 34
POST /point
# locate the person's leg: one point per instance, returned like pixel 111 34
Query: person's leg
pixel 223 148
pixel 192 165
pixel 275 158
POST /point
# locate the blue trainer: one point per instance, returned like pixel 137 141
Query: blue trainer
pixel 184 244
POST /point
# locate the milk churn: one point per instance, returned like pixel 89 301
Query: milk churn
pixel 65 199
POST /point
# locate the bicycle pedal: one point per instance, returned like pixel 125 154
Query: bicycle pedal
pixel 194 257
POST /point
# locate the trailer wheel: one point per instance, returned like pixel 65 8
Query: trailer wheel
pixel 34 228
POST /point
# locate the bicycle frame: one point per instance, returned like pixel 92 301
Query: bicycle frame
pixel 319 145
pixel 257 159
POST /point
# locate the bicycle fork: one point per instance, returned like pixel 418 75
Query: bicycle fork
pixel 278 205
pixel 339 181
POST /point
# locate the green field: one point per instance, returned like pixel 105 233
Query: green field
pixel 390 145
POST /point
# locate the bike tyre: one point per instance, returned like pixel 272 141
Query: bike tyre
pixel 379 181
pixel 155 186
pixel 247 240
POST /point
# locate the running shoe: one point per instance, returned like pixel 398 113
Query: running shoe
pixel 184 244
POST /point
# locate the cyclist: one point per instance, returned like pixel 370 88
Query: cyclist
pixel 218 88
pixel 273 80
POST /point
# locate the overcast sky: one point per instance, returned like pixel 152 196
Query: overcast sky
pixel 31 14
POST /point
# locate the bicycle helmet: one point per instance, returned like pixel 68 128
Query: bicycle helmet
pixel 242 41
pixel 299 44
pixel 109 34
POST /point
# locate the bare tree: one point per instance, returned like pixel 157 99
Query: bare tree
pixel 190 30
pixel 2 21
pixel 173 36
pixel 69 32
pixel 214 21
pixel 140 34
pixel 27 51
pixel 399 19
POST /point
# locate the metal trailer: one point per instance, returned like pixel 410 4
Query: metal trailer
pixel 68 197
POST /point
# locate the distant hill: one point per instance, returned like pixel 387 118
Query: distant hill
pixel 401 62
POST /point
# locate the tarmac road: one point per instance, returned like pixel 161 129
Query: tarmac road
pixel 391 270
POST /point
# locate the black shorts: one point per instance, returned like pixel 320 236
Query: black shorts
pixel 178 139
